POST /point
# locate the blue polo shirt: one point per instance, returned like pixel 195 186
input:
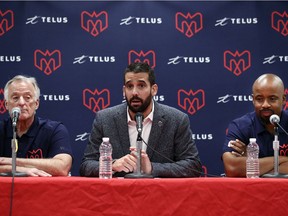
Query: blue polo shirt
pixel 250 126
pixel 44 139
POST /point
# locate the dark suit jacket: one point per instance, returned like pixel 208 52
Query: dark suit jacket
pixel 170 135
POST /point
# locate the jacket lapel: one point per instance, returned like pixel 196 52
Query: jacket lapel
pixel 120 119
pixel 156 129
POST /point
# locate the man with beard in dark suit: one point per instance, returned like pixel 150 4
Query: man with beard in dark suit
pixel 171 151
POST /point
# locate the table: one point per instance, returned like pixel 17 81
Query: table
pixel 184 196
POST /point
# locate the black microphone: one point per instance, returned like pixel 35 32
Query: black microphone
pixel 15 115
pixel 139 121
pixel 274 119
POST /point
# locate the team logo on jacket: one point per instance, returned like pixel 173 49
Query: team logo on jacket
pixel 148 57
pixel 96 100
pixel 189 24
pixel 279 22
pixel 94 23
pixel 47 61
pixel 237 62
pixel 2 102
pixel 6 21
pixel 35 154
pixel 191 101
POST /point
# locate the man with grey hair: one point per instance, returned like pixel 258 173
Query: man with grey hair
pixel 43 145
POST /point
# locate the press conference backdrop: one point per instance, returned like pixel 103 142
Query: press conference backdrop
pixel 206 56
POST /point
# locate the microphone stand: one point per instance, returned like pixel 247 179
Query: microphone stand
pixel 137 173
pixel 14 146
pixel 276 173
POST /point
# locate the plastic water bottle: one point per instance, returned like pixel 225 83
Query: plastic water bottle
pixel 105 160
pixel 252 162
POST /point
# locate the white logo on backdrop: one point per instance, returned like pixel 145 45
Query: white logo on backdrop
pixel 140 20
pixel 34 20
pixel 236 21
pixel 235 98
pixel 82 137
pixel 188 59
pixel 275 58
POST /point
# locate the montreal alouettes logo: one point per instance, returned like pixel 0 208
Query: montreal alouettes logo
pixel 279 22
pixel 283 150
pixel 94 22
pixel 47 61
pixel 286 104
pixel 148 57
pixel 35 154
pixel 237 62
pixel 6 21
pixel 96 100
pixel 191 101
pixel 189 24
pixel 2 102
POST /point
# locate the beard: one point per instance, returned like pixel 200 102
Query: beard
pixel 144 104
pixel 265 119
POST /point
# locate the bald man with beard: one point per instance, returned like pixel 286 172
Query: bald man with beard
pixel 268 98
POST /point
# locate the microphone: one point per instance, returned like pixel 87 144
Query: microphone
pixel 15 115
pixel 139 121
pixel 138 172
pixel 274 119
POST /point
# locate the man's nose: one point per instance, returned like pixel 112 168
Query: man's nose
pixel 135 91
pixel 21 101
pixel 266 103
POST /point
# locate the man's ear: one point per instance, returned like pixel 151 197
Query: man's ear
pixel 154 89
pixel 123 91
pixel 37 104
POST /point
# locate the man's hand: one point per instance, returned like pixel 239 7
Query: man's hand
pixel 5 161
pixel 126 163
pixel 146 166
pixel 239 147
pixel 6 165
pixel 34 172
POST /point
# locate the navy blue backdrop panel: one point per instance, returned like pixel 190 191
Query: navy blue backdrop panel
pixel 206 56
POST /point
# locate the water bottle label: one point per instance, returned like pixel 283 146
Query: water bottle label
pixel 105 167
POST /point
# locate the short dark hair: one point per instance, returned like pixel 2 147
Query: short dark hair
pixel 140 67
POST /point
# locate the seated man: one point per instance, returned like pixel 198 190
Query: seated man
pixel 268 98
pixel 43 145
pixel 165 129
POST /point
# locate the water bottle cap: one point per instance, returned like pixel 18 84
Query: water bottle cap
pixel 252 139
pixel 105 139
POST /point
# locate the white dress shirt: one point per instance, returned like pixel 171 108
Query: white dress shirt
pixel 133 133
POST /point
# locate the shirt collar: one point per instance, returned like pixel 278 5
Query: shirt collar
pixel 260 127
pixel 31 131
pixel 33 128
